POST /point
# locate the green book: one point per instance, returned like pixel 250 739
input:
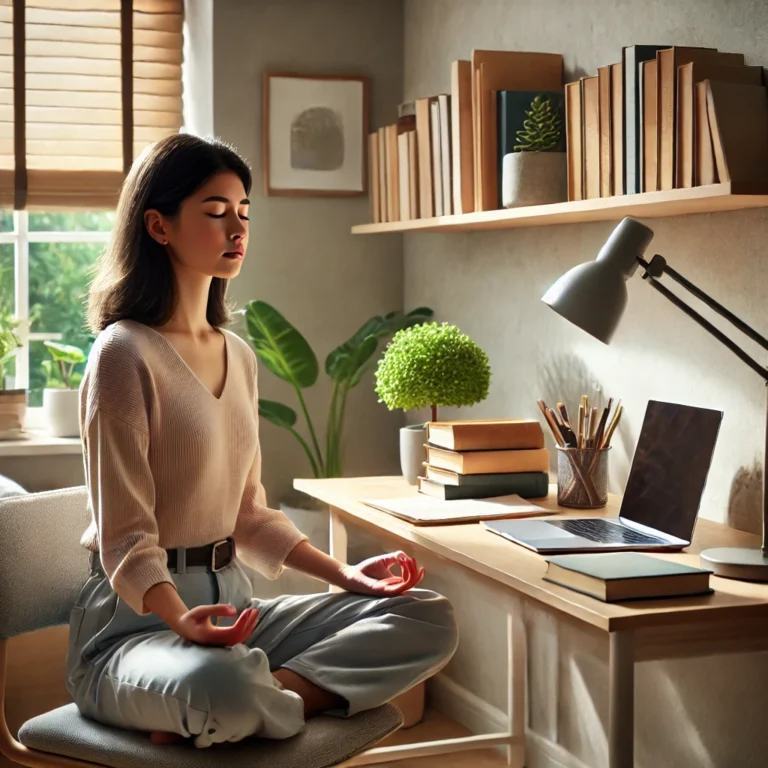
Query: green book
pixel 529 485
pixel 613 576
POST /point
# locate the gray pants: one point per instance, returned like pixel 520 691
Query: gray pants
pixel 131 671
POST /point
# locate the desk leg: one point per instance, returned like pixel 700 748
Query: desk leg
pixel 337 541
pixel 621 698
pixel 516 682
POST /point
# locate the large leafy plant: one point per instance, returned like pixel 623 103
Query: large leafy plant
pixel 285 352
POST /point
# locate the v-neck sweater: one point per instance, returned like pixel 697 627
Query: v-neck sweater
pixel 168 464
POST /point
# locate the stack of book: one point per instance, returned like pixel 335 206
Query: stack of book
pixel 666 117
pixel 444 154
pixel 482 458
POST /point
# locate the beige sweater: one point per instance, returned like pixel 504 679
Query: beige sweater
pixel 169 465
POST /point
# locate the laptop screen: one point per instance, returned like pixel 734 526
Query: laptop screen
pixel 670 467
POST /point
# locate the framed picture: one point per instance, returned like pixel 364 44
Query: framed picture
pixel 314 135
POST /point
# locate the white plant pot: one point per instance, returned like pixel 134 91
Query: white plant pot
pixel 533 178
pixel 413 454
pixel 62 412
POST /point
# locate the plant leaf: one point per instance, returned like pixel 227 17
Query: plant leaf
pixel 65 352
pixel 277 413
pixel 280 346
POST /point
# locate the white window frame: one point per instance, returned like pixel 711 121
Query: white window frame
pixel 21 238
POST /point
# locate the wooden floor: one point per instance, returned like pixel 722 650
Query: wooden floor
pixel 434 726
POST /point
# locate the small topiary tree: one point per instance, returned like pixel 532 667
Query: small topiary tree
pixel 541 131
pixel 432 365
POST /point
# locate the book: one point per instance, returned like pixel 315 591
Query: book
pixel 667 62
pixel 632 57
pixel 444 101
pixel 485 434
pixel 463 140
pixel 687 76
pixel 617 122
pixel 479 462
pixel 512 113
pixel 424 510
pixel 424 152
pixel 704 165
pixel 613 576
pixel 373 176
pixel 488 479
pixel 738 121
pixel 647 143
pixel 590 134
pixel 573 140
pixel 527 485
pixel 604 130
pixel 403 175
pixel 437 156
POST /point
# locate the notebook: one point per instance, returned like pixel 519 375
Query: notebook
pixel 425 510
pixel 612 576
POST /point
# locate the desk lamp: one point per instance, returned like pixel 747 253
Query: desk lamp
pixel 593 296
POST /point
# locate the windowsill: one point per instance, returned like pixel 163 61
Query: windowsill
pixel 40 443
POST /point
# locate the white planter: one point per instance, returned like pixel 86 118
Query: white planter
pixel 533 178
pixel 413 454
pixel 62 412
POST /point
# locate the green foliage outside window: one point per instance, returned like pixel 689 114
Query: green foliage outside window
pixel 59 276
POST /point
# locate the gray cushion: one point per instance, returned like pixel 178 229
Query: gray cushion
pixel 42 565
pixel 325 741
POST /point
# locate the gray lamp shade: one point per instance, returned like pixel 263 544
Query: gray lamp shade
pixel 593 295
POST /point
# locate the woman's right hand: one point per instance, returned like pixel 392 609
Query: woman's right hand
pixel 196 625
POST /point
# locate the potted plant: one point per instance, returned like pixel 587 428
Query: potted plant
pixel 429 365
pixel 61 394
pixel 535 172
pixel 13 402
pixel 287 354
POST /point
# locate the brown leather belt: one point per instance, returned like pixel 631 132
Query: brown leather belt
pixel 214 556
pixel 209 557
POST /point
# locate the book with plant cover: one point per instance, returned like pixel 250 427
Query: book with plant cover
pixel 529 121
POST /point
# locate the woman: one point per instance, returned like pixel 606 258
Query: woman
pixel 166 635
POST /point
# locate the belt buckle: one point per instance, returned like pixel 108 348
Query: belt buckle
pixel 214 569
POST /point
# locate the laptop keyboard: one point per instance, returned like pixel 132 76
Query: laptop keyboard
pixel 606 532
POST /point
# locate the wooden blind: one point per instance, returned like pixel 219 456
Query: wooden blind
pixel 85 86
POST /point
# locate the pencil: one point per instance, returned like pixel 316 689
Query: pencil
pixel 612 428
pixel 551 421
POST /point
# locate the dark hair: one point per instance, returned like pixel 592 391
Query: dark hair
pixel 134 277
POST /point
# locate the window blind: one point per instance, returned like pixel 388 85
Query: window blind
pixel 85 86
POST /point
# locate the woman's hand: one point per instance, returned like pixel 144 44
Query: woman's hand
pixel 196 625
pixel 375 577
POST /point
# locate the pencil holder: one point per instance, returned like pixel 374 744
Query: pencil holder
pixel 582 477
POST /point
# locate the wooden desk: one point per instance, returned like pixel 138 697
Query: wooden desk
pixel 733 619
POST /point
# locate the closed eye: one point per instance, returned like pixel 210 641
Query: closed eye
pixel 222 215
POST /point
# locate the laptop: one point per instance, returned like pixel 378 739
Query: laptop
pixel 662 497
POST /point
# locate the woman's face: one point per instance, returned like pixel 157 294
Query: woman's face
pixel 209 235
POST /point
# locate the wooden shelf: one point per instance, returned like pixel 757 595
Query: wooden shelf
pixel 676 202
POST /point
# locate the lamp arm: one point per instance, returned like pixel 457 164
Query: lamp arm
pixel 704 323
pixel 659 267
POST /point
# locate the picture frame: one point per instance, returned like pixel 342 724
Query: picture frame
pixel 315 134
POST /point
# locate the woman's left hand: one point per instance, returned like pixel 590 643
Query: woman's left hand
pixel 375 577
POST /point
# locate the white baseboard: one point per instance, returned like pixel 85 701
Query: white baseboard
pixel 473 712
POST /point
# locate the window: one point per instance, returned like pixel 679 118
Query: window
pixel 46 265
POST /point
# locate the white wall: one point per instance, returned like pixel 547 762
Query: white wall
pixel 692 713
pixel 301 258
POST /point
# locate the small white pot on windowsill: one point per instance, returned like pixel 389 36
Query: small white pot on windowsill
pixel 62 412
